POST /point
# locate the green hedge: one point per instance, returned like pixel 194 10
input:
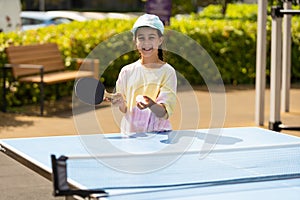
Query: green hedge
pixel 230 41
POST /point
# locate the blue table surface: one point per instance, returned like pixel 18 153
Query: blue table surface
pixel 177 157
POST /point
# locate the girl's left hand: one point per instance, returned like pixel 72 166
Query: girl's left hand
pixel 146 103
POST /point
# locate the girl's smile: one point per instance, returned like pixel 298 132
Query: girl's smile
pixel 147 49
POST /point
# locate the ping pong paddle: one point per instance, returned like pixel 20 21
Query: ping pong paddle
pixel 91 91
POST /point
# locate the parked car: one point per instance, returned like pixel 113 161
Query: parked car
pixel 67 15
pixel 38 19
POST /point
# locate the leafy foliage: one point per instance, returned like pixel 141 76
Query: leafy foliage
pixel 230 40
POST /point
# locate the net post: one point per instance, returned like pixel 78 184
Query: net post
pixel 275 126
pixel 61 185
pixel 59 175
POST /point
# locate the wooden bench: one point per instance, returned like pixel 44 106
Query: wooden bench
pixel 43 64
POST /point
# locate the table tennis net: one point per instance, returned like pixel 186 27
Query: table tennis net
pixel 60 183
pixel 219 167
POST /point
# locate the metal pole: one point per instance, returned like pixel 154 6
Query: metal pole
pixel 290 12
pixel 260 82
pixel 276 64
pixel 276 50
pixel 286 58
pixel 42 5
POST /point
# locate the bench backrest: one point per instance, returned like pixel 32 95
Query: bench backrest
pixel 47 55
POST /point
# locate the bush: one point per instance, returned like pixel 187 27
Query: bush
pixel 229 40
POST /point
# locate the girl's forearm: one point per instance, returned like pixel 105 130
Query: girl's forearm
pixel 123 107
pixel 159 110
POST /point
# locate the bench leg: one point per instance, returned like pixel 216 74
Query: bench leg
pixel 42 98
pixel 57 91
pixel 4 91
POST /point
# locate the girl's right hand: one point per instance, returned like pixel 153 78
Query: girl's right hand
pixel 115 98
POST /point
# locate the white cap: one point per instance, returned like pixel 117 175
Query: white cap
pixel 148 20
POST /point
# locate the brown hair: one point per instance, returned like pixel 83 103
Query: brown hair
pixel 160 50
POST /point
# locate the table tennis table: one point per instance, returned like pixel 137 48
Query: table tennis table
pixel 211 164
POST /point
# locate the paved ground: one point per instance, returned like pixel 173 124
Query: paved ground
pixel 194 110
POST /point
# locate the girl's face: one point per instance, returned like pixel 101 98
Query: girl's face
pixel 148 41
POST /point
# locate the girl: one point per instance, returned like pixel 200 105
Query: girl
pixel 146 89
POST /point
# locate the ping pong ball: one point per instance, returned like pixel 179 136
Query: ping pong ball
pixel 140 98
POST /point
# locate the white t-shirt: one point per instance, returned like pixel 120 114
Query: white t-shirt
pixel 160 84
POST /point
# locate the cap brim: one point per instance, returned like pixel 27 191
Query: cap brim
pixel 144 25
